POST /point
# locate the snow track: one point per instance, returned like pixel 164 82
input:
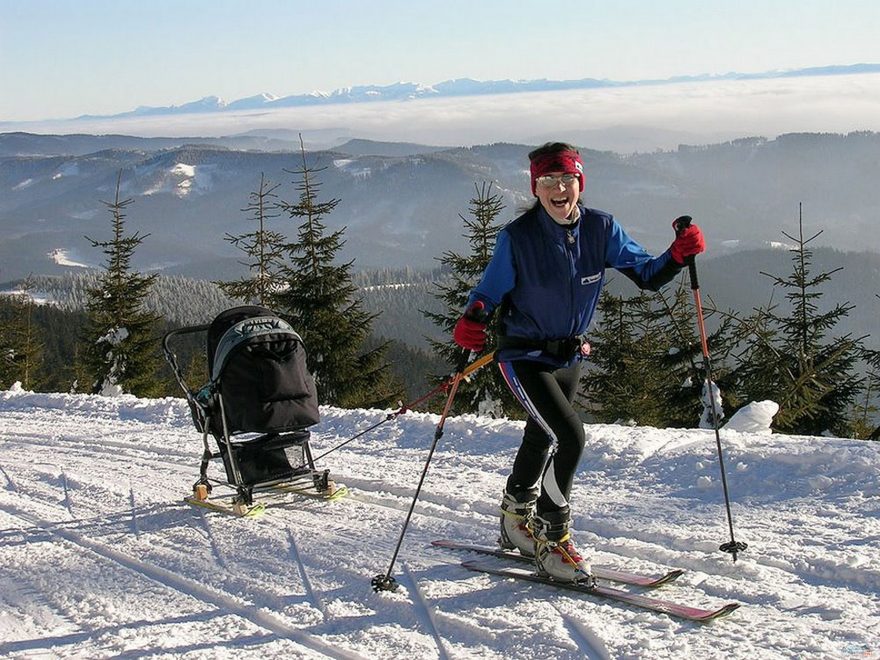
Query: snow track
pixel 224 602
pixel 588 642
pixel 428 618
pixel 99 556
pixel 311 593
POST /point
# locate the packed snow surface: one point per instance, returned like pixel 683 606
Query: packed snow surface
pixel 100 557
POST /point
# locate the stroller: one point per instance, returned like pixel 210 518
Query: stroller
pixel 258 404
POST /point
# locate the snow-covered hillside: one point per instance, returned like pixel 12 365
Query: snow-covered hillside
pixel 99 556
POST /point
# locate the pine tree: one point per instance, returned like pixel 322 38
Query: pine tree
pixel 864 413
pixel 682 362
pixel 483 392
pixel 872 359
pixel 79 374
pixel 643 367
pixel 196 369
pixel 320 301
pixel 616 385
pixel 21 345
pixel 634 374
pixel 7 356
pixel 120 348
pixel 794 362
pixel 262 247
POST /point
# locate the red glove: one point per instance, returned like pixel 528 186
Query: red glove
pixel 470 331
pixel 688 241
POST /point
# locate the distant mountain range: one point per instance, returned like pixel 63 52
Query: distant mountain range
pixel 406 91
pixel 402 203
pixel 20 144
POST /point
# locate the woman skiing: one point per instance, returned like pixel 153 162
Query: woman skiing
pixel 543 283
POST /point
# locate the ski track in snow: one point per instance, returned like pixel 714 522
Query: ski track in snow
pixel 116 564
pixel 588 642
pixel 184 585
pixel 429 621
pixel 311 593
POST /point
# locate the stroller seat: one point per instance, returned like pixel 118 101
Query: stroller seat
pixel 258 403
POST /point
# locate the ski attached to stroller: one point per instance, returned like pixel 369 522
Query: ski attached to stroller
pixel 257 405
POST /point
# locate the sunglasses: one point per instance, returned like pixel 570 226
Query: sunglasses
pixel 551 181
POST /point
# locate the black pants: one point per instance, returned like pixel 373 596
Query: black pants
pixel 546 394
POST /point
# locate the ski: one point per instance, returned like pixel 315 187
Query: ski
pixel 258 508
pixel 600 572
pixel 337 492
pixel 609 593
pixel 229 509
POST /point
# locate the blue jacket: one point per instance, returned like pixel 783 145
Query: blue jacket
pixel 546 278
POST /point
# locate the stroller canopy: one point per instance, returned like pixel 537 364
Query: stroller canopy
pixel 258 363
pixel 238 326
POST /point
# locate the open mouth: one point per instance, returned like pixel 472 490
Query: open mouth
pixel 559 202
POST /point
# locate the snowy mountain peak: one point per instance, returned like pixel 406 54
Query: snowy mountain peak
pixel 256 101
pixel 403 91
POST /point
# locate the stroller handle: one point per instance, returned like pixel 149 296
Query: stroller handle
pixel 171 357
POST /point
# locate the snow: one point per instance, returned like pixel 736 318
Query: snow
pixel 353 168
pixel 183 180
pixel 99 556
pixel 755 417
pixel 62 257
pixel 113 338
pixel 184 170
pixel 38 297
pixel 713 410
pixel 399 286
pixel 67 169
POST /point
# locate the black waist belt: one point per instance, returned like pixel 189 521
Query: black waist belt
pixel 562 349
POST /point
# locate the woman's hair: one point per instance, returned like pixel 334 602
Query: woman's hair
pixel 551 148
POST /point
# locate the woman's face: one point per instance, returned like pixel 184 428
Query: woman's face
pixel 558 194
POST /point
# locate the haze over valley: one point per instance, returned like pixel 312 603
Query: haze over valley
pixel 738 153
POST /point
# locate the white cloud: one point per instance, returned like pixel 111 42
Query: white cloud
pixel 648 117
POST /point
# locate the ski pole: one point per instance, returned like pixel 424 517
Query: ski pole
pixel 386 582
pixel 733 546
pixel 442 387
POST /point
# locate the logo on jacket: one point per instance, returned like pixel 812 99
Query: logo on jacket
pixel 591 279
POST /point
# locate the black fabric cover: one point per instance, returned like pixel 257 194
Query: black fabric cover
pixel 264 382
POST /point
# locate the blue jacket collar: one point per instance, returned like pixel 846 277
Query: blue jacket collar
pixel 554 229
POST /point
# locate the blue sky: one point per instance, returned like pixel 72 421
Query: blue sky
pixel 63 58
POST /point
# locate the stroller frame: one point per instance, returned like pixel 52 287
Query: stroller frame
pixel 299 478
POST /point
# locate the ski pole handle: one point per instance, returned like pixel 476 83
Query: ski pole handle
pixel 680 224
pixel 692 271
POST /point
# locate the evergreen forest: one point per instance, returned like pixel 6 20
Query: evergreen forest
pixel 382 337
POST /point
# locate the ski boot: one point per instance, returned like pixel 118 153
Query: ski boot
pixel 517 510
pixel 555 554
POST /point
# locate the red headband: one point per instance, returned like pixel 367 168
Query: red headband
pixel 567 162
